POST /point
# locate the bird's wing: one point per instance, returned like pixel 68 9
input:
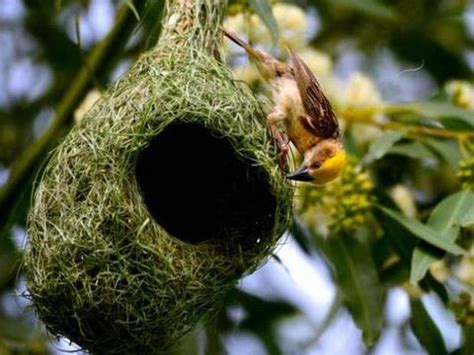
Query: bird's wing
pixel 320 115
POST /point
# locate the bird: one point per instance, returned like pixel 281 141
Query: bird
pixel 301 106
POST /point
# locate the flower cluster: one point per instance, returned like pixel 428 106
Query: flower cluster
pixel 463 309
pixel 341 206
pixel 351 199
pixel 466 173
pixel 464 268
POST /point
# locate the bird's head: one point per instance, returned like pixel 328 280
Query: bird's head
pixel 322 164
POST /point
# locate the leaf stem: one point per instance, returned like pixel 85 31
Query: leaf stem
pixel 410 129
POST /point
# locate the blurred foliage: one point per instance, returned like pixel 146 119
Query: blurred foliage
pixel 403 218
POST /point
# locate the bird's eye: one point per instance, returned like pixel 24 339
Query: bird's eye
pixel 315 165
pixel 327 153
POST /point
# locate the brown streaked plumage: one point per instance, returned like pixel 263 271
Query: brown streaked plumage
pixel 305 112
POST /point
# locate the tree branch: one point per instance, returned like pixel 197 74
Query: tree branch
pixel 100 60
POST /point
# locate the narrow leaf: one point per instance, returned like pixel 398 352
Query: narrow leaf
pixel 381 145
pixel 423 257
pixel 371 8
pixel 414 150
pixel 468 219
pixel 357 278
pixel 423 232
pixel 446 219
pixel 263 9
pixel 400 239
pixel 429 283
pixel 425 329
pixel 451 212
pixel 444 112
pixel 15 330
pixel 308 238
pixel 132 7
pixel 446 150
pixel 468 335
pixel 151 21
pixel 301 236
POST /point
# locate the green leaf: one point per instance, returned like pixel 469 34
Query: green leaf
pixel 151 21
pixel 188 345
pixel 357 278
pixel 132 7
pixel 301 236
pixel 450 213
pixel 446 219
pixel 414 150
pixel 423 257
pixel 425 329
pixel 401 240
pixel 468 335
pixel 394 275
pixel 447 150
pixel 423 232
pixel 263 9
pixel 468 219
pixel 429 283
pixel 444 112
pixel 371 8
pixel 15 330
pixel 9 266
pixel 262 315
pixel 381 145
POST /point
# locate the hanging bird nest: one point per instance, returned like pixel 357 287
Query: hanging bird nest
pixel 160 199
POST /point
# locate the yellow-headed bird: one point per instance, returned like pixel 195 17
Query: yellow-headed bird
pixel 306 113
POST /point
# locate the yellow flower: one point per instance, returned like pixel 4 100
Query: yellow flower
pixel 404 200
pixel 363 134
pixel 290 17
pixel 319 62
pixel 360 98
pixel 463 309
pixel 292 23
pixel 465 269
pixel 461 93
pixel 440 270
pixel 361 91
pixel 247 73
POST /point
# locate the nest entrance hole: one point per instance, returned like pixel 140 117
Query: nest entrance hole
pixel 198 189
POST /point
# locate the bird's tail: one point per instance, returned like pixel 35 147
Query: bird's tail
pixel 252 52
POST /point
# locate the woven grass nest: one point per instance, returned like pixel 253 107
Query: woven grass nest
pixel 159 201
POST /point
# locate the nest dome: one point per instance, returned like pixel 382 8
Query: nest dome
pixel 154 206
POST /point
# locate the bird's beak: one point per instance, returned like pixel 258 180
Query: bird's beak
pixel 300 175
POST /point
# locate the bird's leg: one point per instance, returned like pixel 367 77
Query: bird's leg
pixel 272 119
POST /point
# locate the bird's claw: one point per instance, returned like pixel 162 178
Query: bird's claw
pixel 282 161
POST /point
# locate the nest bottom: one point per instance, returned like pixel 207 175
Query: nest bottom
pixel 198 189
